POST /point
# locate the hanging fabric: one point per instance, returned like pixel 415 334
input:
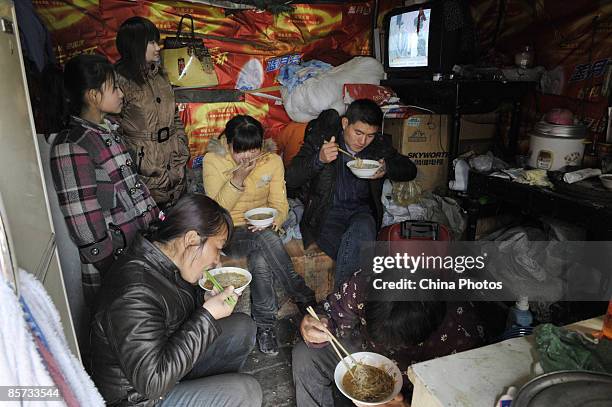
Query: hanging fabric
pixel 20 362
pixel 48 322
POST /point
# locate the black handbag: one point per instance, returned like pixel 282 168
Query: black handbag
pixel 196 45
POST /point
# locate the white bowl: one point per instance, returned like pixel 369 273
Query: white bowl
pixel 222 270
pixel 372 359
pixel 260 223
pixel 606 180
pixel 363 172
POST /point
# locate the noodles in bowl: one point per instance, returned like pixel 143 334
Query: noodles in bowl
pixel 368 383
pixel 363 168
pixel 226 276
pixel 375 379
pixel 261 217
pixel 227 279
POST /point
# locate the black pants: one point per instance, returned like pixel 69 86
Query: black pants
pixel 214 380
pixel 313 375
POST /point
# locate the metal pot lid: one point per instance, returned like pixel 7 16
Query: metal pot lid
pixel 566 389
pixel 559 130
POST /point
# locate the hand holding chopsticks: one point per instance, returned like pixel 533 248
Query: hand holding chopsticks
pixel 245 163
pixel 231 301
pixel 329 151
pixel 335 342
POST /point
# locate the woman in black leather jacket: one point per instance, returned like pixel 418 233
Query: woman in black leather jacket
pixel 156 339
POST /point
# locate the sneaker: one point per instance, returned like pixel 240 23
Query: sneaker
pixel 266 339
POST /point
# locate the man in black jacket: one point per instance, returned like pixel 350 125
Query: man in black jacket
pixel 342 210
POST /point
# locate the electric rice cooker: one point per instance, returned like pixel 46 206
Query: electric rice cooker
pixel 553 146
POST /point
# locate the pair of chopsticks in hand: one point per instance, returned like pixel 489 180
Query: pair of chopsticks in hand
pixel 341 150
pixel 337 342
pixel 239 166
pixel 231 301
pixel 354 157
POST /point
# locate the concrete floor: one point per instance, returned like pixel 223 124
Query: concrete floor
pixel 274 372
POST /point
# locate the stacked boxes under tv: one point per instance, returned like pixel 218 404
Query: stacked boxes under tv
pixel 425 139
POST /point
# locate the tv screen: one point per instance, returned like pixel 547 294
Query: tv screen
pixel 408 44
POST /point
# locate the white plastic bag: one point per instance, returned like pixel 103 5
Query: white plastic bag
pixel 325 91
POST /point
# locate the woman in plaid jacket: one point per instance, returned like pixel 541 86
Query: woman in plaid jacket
pixel 100 195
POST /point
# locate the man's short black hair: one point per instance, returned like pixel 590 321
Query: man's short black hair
pixel 364 110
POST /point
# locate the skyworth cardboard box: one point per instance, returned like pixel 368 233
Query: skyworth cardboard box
pixel 423 138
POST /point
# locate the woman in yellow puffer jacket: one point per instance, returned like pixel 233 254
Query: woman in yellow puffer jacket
pixel 259 183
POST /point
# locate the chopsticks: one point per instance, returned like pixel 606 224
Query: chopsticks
pixel 332 340
pixel 342 151
pixel 230 300
pixel 353 156
pixel 347 153
pixel 236 168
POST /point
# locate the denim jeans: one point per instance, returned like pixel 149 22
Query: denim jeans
pixel 313 375
pixel 341 236
pixel 267 260
pixel 213 381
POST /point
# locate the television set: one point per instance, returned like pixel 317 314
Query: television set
pixel 416 43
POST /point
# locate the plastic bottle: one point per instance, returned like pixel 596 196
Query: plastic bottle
pixel 506 399
pixel 519 315
pixel 462 170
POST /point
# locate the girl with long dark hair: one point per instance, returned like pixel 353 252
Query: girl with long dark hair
pixel 102 199
pixel 152 127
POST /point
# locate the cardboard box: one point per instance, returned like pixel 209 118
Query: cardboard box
pixel 478 126
pixel 423 138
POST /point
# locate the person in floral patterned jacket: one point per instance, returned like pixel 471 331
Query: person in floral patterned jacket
pixel 405 332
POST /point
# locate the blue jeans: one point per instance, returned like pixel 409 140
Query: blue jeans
pixel 341 236
pixel 267 260
pixel 213 381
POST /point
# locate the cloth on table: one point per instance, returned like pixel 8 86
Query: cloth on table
pixel 563 349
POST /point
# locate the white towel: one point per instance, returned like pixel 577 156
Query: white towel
pixel 47 317
pixel 20 362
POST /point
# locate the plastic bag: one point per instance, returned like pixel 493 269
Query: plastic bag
pixel 325 91
pixel 406 193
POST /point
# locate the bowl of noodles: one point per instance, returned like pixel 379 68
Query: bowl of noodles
pixel 260 217
pixel 363 168
pixel 227 276
pixel 375 379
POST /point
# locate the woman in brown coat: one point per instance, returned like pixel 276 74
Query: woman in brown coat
pixel 153 131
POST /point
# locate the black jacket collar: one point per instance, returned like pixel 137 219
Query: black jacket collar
pixel 161 263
